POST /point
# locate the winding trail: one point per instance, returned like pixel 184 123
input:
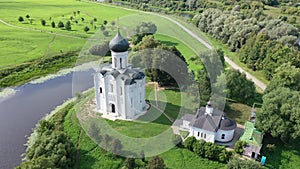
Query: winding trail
pixel 256 81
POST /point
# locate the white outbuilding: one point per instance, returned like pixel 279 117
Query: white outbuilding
pixel 208 124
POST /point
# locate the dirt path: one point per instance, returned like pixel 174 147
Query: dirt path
pixel 257 82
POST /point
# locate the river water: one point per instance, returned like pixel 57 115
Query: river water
pixel 20 113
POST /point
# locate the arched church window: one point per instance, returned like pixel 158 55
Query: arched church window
pixel 223 136
pixel 100 89
pixel 204 135
pixel 120 62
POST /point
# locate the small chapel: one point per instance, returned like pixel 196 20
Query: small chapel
pixel 120 88
pixel 208 124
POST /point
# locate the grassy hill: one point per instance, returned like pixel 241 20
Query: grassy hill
pixel 29 50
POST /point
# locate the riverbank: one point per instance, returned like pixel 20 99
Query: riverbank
pixel 90 155
pixel 9 91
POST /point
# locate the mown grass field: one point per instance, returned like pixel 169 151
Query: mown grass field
pixel 32 41
pixel 238 112
pixel 183 48
pixel 92 156
pixel 164 27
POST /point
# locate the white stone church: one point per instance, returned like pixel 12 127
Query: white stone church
pixel 120 89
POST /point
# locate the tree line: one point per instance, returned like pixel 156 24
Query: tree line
pixel 52 147
pixel 219 153
pixel 280 112
pixel 157 58
pixel 74 18
pixel 262 43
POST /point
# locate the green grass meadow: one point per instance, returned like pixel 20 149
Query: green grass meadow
pixel 92 156
pixel 32 41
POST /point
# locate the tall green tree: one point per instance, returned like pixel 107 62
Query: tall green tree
pixel 204 86
pixel 213 63
pixel 142 30
pixel 189 143
pixel 55 146
pixel 287 76
pixel 156 58
pixel 53 24
pixel 254 51
pixel 198 148
pixel 68 26
pixel 156 163
pixel 239 147
pixel 277 55
pixel 60 24
pixel 86 29
pixel 37 163
pixel 280 114
pixel 239 87
pixel 20 19
pixel 43 22
pixel 105 22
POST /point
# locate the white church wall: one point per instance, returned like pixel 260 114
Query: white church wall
pixel 200 134
pixel 129 101
pixel 228 135
pixel 116 59
pixel 97 86
pixel 115 92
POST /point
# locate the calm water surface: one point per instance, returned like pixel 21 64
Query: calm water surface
pixel 20 113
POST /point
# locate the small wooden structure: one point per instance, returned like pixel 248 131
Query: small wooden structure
pixel 253 138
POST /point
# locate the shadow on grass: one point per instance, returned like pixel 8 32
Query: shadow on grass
pixel 169 43
pixel 283 155
pixel 237 112
pixel 155 116
pixel 85 160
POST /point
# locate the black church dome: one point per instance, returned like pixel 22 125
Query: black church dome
pixel 118 43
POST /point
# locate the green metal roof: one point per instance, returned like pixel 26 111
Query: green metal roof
pixel 251 135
